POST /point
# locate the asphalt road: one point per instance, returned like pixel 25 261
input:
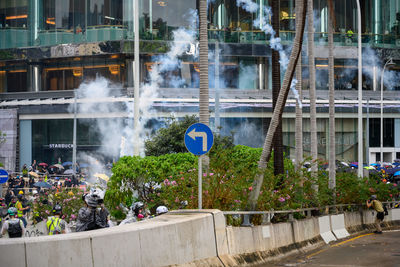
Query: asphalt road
pixel 362 250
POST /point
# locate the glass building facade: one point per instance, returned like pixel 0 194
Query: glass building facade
pixel 56 45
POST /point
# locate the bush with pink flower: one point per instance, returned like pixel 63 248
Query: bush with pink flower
pixel 70 201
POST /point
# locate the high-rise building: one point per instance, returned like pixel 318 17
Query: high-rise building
pixel 49 48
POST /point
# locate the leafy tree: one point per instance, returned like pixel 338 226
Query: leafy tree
pixel 170 139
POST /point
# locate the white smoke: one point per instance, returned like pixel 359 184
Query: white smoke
pixel 274 42
pixel 182 39
pixel 248 76
pixel 245 129
pixel 93 99
pixel 247 5
pixel 391 79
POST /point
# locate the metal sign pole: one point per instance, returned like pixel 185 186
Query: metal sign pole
pixel 200 182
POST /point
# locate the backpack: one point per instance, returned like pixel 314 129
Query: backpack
pixel 57 228
pixel 14 228
pixel 385 210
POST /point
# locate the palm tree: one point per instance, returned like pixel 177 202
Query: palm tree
pixel 276 85
pixel 203 62
pixel 203 66
pixel 299 113
pixel 332 143
pixel 280 104
pixel 313 108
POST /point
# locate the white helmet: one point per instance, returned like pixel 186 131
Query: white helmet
pixel 161 210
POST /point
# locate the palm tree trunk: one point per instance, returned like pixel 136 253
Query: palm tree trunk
pixel 299 113
pixel 276 86
pixel 203 66
pixel 332 142
pixel 203 62
pixel 280 104
pixel 313 108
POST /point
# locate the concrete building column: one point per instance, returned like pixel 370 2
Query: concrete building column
pixel 25 143
pixel 8 127
pixel 396 132
pixel 34 77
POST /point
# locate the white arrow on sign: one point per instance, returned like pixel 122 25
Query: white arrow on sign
pixel 193 134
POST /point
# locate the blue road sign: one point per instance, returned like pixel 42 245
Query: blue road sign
pixel 199 139
pixel 3 176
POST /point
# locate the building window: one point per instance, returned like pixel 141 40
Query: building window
pixel 14 14
pixel 13 77
pixel 68 74
pixel 158 18
pixel 375 134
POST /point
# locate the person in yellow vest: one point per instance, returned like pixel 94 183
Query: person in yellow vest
pixel 55 225
pixel 350 33
pixel 20 209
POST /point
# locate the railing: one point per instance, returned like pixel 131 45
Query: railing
pixel 243 218
pixel 341 38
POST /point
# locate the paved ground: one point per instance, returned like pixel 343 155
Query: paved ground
pixel 362 250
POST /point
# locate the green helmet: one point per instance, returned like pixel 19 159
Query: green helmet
pixel 12 211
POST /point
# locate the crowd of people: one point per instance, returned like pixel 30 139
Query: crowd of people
pixel 16 211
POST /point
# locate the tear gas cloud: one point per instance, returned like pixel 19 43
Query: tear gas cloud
pixel 168 62
pixel 275 42
pixel 116 136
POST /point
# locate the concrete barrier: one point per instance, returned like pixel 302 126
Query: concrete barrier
pixel 12 252
pixel 338 227
pixel 184 238
pixel 304 230
pixel 165 240
pixel 353 221
pixel 325 229
pixel 395 213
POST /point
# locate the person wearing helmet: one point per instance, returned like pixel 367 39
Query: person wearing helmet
pixel 138 210
pixel 55 225
pixel 3 210
pixel 13 226
pixel 134 213
pixel 161 210
pixel 88 216
pixel 21 209
pixel 104 214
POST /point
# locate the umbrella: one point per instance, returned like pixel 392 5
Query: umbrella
pixel 34 174
pixel 396 164
pixel 102 176
pixel 392 170
pixel 83 165
pixel 369 168
pixel 43 164
pixel 67 163
pixel 42 184
pixel 344 164
pixel 59 166
pixel 69 171
pixel 354 165
pixel 396 173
